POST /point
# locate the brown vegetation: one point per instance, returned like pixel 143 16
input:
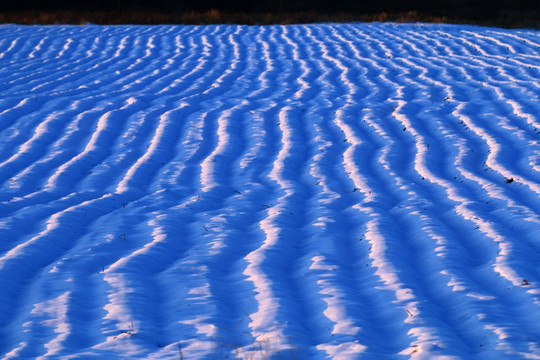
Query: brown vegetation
pixel 499 13
pixel 213 16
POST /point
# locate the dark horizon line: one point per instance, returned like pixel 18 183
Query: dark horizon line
pixel 506 19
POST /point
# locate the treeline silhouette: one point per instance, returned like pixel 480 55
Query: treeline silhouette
pixel 252 11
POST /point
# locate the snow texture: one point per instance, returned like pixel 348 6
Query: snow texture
pixel 325 191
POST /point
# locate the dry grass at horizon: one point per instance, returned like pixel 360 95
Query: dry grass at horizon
pixel 515 19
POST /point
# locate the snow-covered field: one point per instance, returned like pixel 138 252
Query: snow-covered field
pixel 362 191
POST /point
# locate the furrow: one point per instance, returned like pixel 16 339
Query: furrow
pixel 276 289
pixel 345 224
pixel 421 239
pixel 485 226
pixel 311 191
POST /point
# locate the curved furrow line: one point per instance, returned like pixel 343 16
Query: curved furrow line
pixel 515 38
pixel 77 274
pixel 489 50
pixel 422 46
pixel 172 67
pixel 201 81
pixel 413 113
pixel 83 79
pixel 29 181
pixel 99 164
pixel 221 233
pixel 14 47
pixel 41 48
pixel 20 115
pixel 427 247
pixel 190 149
pixel 484 225
pixel 63 48
pixel 144 67
pixel 506 155
pixel 42 134
pixel 124 73
pixel 4 44
pixel 350 256
pixel 307 191
pixel 213 203
pixel 493 188
pixel 453 95
pixel 120 55
pixel 7 45
pixel 261 99
pixel 366 145
pixel 23 263
pixel 219 272
pixel 195 65
pixel 150 153
pixel 162 240
pixel 262 319
pixel 26 186
pixel 434 40
pixel 261 129
pixel 23 62
pixel 390 258
pixel 462 46
pixel 67 50
pixel 424 334
pixel 298 202
pixel 186 103
pixel 526 45
pixel 75 156
pixel 491 163
pixel 507 94
pixel 214 168
pixel 496 46
pixel 151 88
pixel 497 96
pixel 494 70
pixel 462 91
pixel 138 176
pixel 271 266
pixel 225 328
pixel 120 69
pixel 386 37
pixel 49 75
pixel 161 76
pixel 51 48
pixel 258 163
pixel 407 45
pixel 207 200
pixel 144 151
pixel 446 39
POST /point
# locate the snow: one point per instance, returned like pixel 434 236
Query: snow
pixel 324 191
